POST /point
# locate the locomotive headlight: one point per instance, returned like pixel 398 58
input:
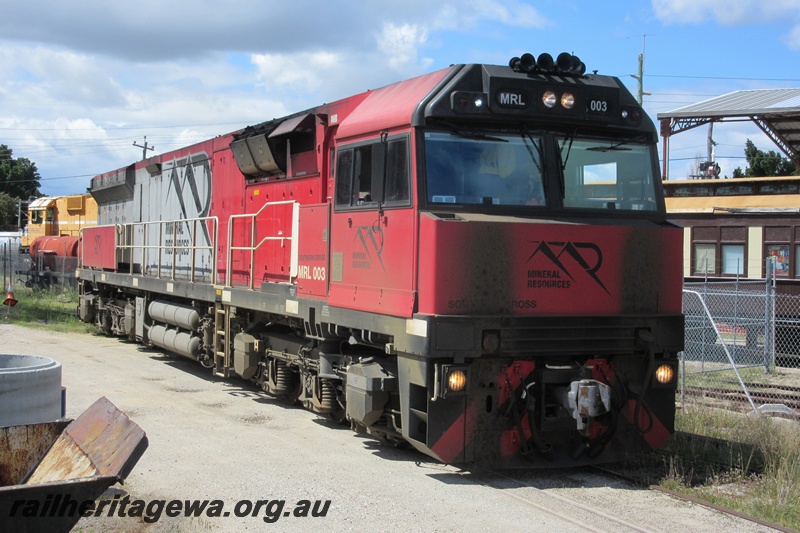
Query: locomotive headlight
pixel 478 102
pixel 456 381
pixel 665 374
pixel 567 100
pixel 549 99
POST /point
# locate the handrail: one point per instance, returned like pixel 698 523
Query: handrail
pixel 128 243
pixel 253 246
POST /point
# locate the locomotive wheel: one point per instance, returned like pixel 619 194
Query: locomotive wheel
pixel 337 415
pixel 290 397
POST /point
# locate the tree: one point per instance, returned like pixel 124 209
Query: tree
pixel 19 178
pixel 9 209
pixel 764 164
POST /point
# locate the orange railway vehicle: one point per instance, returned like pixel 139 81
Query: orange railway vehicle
pixel 62 216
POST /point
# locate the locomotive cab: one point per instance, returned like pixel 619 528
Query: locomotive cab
pixel 546 273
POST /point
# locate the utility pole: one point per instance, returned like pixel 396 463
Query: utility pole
pixel 144 148
pixel 640 77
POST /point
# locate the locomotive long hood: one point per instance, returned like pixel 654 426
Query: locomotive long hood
pixel 497 266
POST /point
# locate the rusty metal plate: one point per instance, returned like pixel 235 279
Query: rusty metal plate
pixel 22 447
pixel 87 456
pixel 102 441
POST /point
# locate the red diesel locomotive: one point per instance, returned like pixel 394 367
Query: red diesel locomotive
pixel 476 262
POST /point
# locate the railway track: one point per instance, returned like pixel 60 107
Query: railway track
pixel 583 511
pixel 731 391
pixel 583 516
pixel 692 499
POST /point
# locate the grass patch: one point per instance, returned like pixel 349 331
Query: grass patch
pixel 750 464
pixel 727 378
pixel 51 309
pixel 746 463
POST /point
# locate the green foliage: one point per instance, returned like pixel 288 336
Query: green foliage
pixel 747 463
pixel 764 164
pixel 19 178
pixel 9 209
pixel 51 309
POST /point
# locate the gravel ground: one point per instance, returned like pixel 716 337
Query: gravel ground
pixel 224 440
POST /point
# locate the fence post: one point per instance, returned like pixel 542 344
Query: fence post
pixel 773 296
pixel 767 321
pixel 683 379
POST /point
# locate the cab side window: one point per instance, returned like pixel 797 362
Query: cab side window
pixel 397 182
pixel 373 174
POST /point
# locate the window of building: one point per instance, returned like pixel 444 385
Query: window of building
pixel 779 253
pixel 778 247
pixel 732 241
pixel 705 258
pixel 705 240
pixel 719 250
pixel 797 263
pixel 733 259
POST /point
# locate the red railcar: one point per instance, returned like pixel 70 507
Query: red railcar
pixel 475 261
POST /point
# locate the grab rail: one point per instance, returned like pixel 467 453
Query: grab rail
pixel 125 240
pixel 253 246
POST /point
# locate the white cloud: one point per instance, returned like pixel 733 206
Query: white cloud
pixel 400 43
pixel 79 83
pixel 305 71
pixel 793 39
pixel 727 13
pixel 469 13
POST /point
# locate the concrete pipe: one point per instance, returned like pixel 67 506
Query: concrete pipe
pixel 30 389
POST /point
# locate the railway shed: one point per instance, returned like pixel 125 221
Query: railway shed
pixel 732 226
pixel 775 111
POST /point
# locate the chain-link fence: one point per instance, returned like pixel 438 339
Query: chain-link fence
pixel 47 271
pixel 742 347
pixel 10 262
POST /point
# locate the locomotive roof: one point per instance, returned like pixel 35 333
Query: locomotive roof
pixel 42 202
pixel 428 98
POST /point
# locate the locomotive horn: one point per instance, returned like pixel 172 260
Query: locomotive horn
pixel 577 67
pixel 527 62
pixel 580 68
pixel 10 300
pixel 514 64
pixel 564 61
pixel 545 62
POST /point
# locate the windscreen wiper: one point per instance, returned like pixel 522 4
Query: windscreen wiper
pixel 526 136
pixel 569 149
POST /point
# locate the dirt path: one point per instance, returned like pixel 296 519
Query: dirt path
pixel 217 440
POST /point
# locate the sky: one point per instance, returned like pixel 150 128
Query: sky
pixel 81 82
